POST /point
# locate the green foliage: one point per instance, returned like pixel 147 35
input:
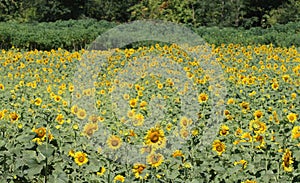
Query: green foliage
pixel 77 34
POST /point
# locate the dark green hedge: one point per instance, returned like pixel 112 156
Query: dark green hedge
pixel 77 34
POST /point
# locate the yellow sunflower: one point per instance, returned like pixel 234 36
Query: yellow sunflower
pixel 14 117
pixel 258 114
pixel 219 147
pixel 102 171
pixel 155 138
pixel 257 126
pixel 38 101
pixel 81 113
pixel 224 130
pixel 89 129
pixel 154 159
pixel 287 161
pixel 40 132
pixel 250 181
pixel 119 178
pixel 241 162
pixel 114 142
pixel 202 98
pixel 184 122
pixel 133 102
pixel 292 117
pixel 138 169
pixel 296 132
pixel 80 158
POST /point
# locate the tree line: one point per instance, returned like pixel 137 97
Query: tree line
pixel 222 13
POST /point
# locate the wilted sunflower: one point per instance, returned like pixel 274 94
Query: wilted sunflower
pixel 155 138
pixel 80 158
pixel 219 147
pixel 287 161
pixel 296 132
pixel 114 142
pixel 292 117
pixel 155 159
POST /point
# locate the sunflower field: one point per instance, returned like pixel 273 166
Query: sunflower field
pixel 46 135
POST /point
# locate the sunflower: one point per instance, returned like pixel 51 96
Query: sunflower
pixel 14 117
pixel 81 113
pixel 230 101
pixel 38 101
pixel 292 117
pixel 219 147
pixel 257 126
pixel 1 86
pixel 80 158
pixel 224 130
pixel 133 102
pixel 72 153
pixel 260 139
pixel 258 114
pixel 119 178
pixel 287 161
pixel 138 120
pixel 296 132
pixel 245 105
pixel 250 181
pixel 177 153
pixel 131 113
pixel 2 114
pixel 89 129
pixel 60 119
pixel 40 132
pixel 246 137
pixel 114 142
pixel 202 97
pixel 155 160
pixel 184 122
pixel 74 109
pixel 94 119
pixel 155 138
pixel 184 133
pixel 241 162
pixel 138 169
pixel 101 171
pixel 275 86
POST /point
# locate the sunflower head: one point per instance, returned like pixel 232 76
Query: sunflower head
pixel 155 138
pixel 219 147
pixel 80 158
pixel 114 142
